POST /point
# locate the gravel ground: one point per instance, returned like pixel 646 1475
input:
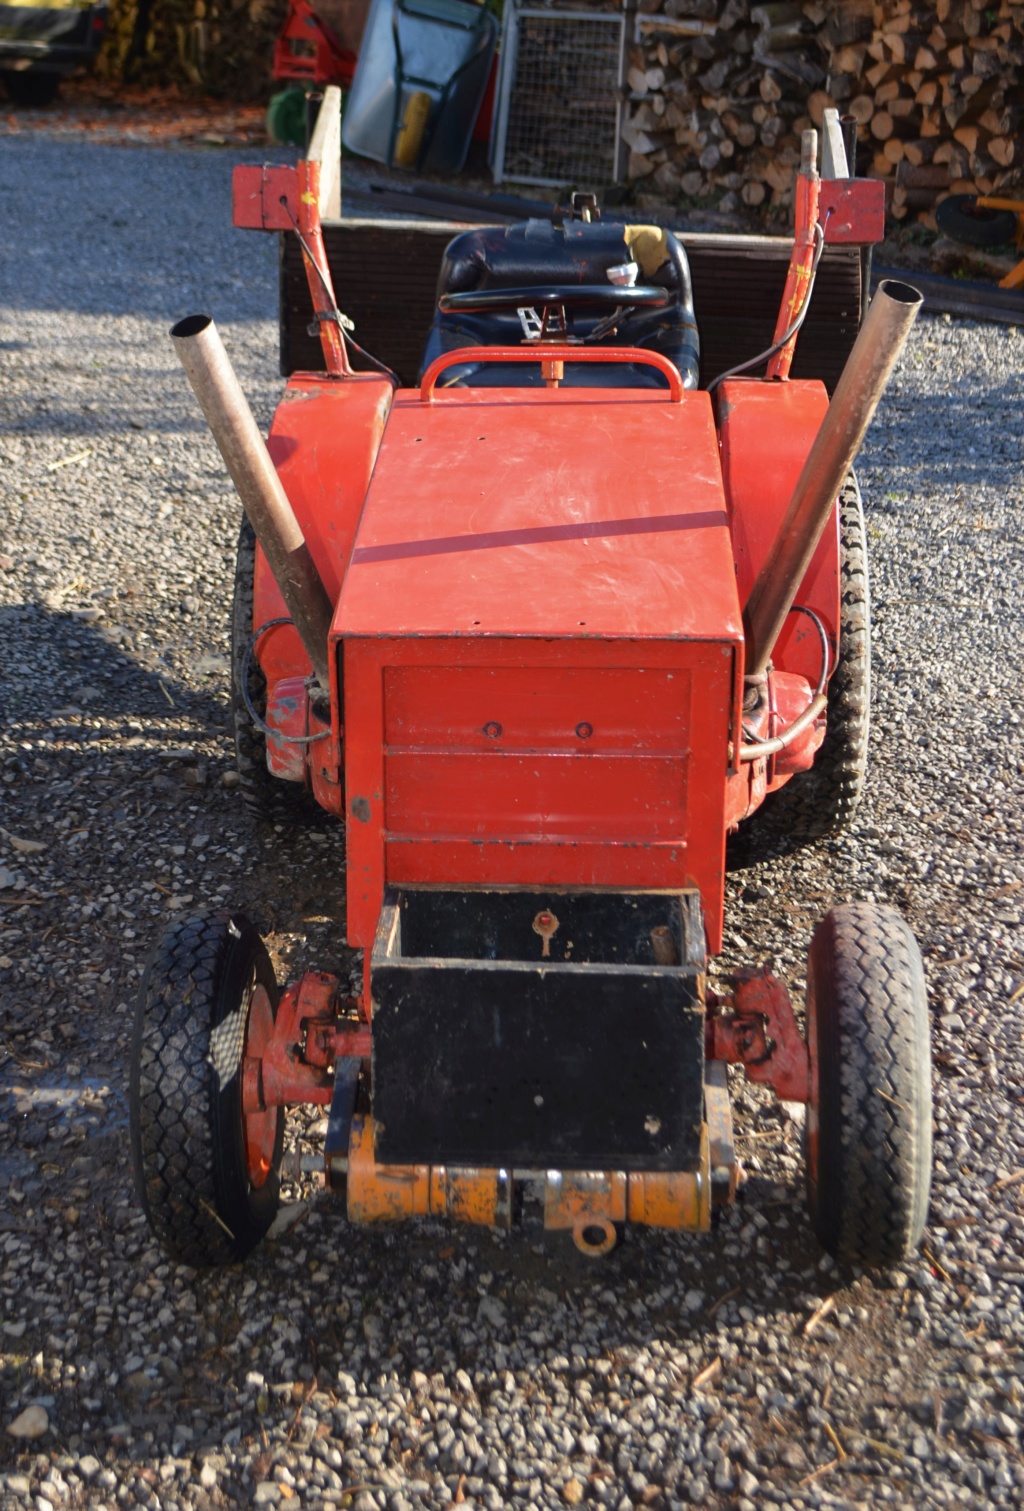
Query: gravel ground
pixel 423 1366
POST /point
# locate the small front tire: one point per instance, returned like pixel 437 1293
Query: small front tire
pixel 206 1173
pixel 869 1121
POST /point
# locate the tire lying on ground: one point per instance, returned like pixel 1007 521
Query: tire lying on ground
pixel 207 1174
pixel 960 218
pixel 869 1120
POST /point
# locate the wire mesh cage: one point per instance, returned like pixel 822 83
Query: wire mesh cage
pixel 559 99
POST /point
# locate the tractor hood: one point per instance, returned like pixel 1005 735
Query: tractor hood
pixel 567 512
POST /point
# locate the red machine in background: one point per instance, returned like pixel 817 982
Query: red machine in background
pixel 317 46
pixel 542 632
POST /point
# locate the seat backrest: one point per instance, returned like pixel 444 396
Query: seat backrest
pixel 538 254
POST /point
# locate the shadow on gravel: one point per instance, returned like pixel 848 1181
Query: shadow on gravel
pixel 67 677
pixel 74 392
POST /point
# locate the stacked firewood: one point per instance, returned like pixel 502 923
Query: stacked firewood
pixel 718 92
pixel 221 47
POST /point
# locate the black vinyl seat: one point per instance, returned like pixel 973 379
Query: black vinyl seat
pixel 536 254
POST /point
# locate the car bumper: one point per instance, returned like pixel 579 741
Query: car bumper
pixel 51 38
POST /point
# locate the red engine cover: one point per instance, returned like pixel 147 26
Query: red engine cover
pixel 542 648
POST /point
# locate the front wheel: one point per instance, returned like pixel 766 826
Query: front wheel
pixel 206 1172
pixel 869 1121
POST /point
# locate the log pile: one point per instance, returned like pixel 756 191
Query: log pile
pixel 220 47
pixel 718 92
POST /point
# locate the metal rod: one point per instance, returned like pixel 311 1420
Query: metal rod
pixel 761 748
pixel 891 314
pixel 801 262
pixel 198 344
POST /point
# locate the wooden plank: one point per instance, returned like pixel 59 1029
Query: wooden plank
pixel 325 149
pixel 833 148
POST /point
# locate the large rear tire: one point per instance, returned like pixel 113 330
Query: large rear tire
pixel 207 1174
pixel 869 1121
pixel 823 800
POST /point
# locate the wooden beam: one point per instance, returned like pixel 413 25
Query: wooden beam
pixel 833 149
pixel 325 149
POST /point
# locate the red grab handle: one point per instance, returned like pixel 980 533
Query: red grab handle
pixel 549 352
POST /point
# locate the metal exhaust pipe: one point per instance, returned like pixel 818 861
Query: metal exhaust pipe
pixel 890 315
pixel 198 344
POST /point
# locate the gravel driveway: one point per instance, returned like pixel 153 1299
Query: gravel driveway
pixel 422 1366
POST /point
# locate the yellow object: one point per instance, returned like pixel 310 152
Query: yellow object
pixel 385 1193
pixel 679 1199
pixel 410 135
pixel 587 1203
pixel 648 246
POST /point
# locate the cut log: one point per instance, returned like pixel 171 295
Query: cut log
pixel 721 89
pixel 967 136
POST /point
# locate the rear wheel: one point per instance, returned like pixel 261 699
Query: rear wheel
pixel 823 800
pixel 31 89
pixel 265 795
pixel 869 1121
pixel 206 1172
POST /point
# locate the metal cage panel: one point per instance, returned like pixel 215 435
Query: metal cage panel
pixel 557 116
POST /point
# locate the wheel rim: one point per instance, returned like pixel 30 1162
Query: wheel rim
pixel 259 1129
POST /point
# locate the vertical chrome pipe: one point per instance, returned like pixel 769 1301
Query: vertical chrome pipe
pixel 198 344
pixel 892 312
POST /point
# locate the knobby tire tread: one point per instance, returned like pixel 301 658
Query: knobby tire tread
pixel 823 800
pixel 187 1164
pixel 869 1201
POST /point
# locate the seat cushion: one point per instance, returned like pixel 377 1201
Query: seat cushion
pixel 538 254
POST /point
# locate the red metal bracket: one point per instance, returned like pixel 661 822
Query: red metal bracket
pixel 801 262
pixel 762 1035
pixel 852 210
pixel 283 199
pixel 263 197
pixel 297 1063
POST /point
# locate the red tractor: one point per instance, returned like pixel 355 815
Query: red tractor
pixel 543 632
